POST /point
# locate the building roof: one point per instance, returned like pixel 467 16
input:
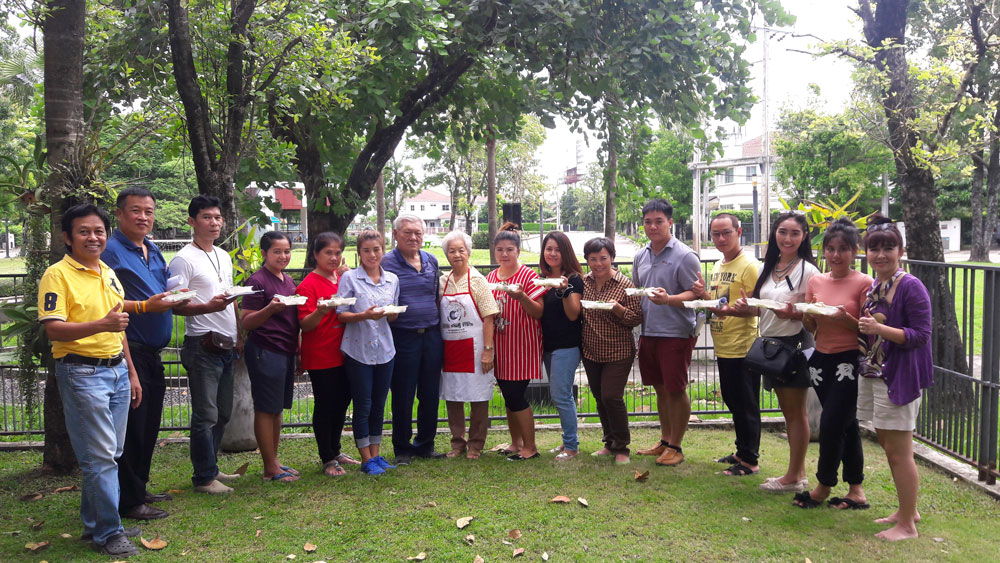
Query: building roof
pixel 428 196
pixel 288 199
pixel 755 147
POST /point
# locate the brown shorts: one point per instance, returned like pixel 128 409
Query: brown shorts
pixel 665 361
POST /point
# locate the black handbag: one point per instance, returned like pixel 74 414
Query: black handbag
pixel 774 358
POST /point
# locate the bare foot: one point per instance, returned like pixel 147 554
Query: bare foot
pixel 621 458
pixel 602 451
pixel 894 518
pixel 898 532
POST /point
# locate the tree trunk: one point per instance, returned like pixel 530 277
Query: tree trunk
pixel 980 244
pixel 992 185
pixel 454 204
pixel 380 204
pixel 64 134
pixel 611 181
pixel 491 192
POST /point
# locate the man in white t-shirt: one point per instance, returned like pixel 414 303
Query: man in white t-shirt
pixel 211 340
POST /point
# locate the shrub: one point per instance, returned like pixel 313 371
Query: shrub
pixel 481 240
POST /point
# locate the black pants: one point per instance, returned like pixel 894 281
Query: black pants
pixel 607 384
pixel 835 378
pixel 416 374
pixel 331 397
pixel 741 393
pixel 143 427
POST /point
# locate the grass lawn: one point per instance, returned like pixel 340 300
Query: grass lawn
pixel 686 513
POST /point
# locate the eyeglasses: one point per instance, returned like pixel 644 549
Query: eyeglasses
pixel 723 234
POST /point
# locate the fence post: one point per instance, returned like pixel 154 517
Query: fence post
pixel 990 402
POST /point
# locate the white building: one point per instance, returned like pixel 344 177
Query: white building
pixel 435 210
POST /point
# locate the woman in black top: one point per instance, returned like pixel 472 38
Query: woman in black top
pixel 562 334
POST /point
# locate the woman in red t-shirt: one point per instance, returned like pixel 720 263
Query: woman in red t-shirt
pixel 518 338
pixel 320 349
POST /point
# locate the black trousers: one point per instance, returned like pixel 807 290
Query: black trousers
pixel 331 397
pixel 143 427
pixel 741 393
pixel 835 378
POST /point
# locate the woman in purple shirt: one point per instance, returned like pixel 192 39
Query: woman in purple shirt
pixel 895 365
pixel 271 349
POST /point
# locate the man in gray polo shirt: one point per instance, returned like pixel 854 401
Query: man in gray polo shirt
pixel 668 329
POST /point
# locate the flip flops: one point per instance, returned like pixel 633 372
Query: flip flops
pixel 851 504
pixel 805 500
pixel 730 459
pixel 283 477
pixel 739 470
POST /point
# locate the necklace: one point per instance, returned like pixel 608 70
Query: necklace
pixel 780 271
pixel 217 263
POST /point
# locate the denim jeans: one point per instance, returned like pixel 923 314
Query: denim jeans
pixel 419 376
pixel 369 389
pixel 210 378
pixel 95 403
pixel 561 366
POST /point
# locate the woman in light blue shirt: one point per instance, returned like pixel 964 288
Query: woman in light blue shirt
pixel 367 345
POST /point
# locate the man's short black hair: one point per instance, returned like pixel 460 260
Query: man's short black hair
pixel 200 202
pixel 135 191
pixel 658 204
pixel 83 210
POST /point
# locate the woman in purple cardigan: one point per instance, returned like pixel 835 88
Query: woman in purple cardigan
pixel 895 365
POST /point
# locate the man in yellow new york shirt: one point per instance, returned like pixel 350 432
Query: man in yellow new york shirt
pixel 80 304
pixel 732 335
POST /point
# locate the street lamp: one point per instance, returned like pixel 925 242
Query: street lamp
pixel 756 221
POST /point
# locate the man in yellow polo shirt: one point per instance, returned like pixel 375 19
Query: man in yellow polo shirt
pixel 80 304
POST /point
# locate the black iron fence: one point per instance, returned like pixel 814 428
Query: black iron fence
pixel 959 415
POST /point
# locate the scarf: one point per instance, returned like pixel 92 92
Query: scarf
pixel 872 353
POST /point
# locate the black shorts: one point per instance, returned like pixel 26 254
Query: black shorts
pixel 513 394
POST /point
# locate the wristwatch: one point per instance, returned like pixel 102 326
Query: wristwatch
pixel 488 348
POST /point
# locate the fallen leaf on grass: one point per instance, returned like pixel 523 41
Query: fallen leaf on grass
pixel 808 560
pixel 38 525
pixel 641 477
pixel 463 522
pixel 258 517
pixel 243 469
pixel 514 534
pixel 257 535
pixel 431 504
pixel 309 548
pixel 519 552
pixel 938 540
pixel 507 542
pixel 31 496
pixel 36 546
pixel 418 557
pixel 500 447
pixel 291 556
pixel 154 544
pixel 175 491
pixel 583 501
pixel 65 536
pixel 162 443
pixel 745 519
pixel 470 539
pixel 545 556
pixel 560 499
pixel 13 533
pixel 478 559
pixel 67 489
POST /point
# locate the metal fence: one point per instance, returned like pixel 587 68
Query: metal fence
pixel 959 414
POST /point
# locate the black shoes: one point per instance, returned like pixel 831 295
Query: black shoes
pixel 150 498
pixel 145 512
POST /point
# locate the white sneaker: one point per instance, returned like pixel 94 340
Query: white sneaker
pixel 214 488
pixel 775 486
pixel 227 476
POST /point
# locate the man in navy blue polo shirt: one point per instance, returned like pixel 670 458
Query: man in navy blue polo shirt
pixel 417 338
pixel 143 273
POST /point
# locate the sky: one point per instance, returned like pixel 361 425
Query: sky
pixel 789 75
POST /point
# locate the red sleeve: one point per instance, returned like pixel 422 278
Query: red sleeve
pixel 306 289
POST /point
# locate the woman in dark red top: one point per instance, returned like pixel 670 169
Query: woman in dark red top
pixel 321 356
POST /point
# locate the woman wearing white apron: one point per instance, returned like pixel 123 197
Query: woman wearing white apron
pixel 467 310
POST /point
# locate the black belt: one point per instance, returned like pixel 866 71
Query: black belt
pixel 415 330
pixel 87 361
pixel 133 345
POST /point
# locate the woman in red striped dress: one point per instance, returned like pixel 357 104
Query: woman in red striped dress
pixel 518 338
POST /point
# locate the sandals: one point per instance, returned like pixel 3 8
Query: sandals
pixel 337 468
pixel 519 457
pixel 287 469
pixel 805 500
pixel 557 449
pixel 851 504
pixel 345 459
pixel 730 459
pixel 507 452
pixel 739 470
pixel 565 455
pixel 283 477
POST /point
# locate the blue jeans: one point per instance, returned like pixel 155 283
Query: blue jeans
pixel 210 378
pixel 561 365
pixel 96 402
pixel 369 389
pixel 417 375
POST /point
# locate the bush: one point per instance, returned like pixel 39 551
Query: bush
pixel 533 227
pixel 480 240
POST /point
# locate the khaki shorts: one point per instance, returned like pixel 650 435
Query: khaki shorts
pixel 874 406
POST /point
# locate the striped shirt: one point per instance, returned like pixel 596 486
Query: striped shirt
pixel 518 337
pixel 606 338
